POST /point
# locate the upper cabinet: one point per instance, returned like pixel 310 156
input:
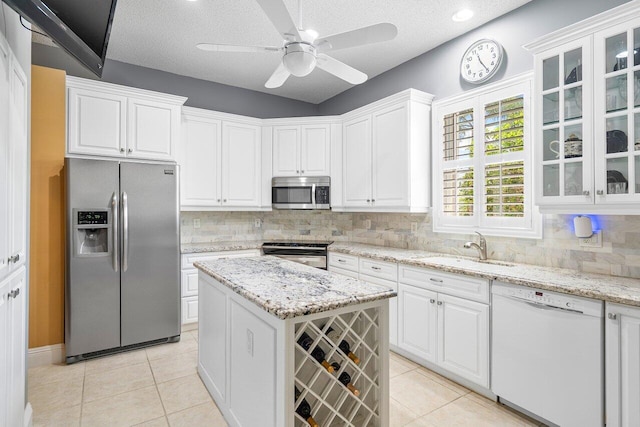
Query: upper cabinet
pixel 386 155
pixel 587 115
pixel 302 150
pixel 109 120
pixel 222 162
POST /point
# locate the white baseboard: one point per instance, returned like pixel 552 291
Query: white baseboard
pixel 47 355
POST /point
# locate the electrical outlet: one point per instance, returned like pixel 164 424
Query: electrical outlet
pixel 414 227
pixel 196 223
pixel 367 224
pixel 250 342
pixel 257 223
pixel 595 241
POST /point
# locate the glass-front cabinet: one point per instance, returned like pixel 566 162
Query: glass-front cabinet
pixel 587 115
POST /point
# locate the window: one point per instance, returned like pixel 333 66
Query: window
pixel 482 162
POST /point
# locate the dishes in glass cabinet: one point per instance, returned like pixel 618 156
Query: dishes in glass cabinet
pixel 616 141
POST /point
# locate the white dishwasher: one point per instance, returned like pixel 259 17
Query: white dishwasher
pixel 548 354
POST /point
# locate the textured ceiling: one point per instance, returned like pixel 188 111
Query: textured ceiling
pixel 162 34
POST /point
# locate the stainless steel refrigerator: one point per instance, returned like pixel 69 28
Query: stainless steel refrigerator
pixel 122 261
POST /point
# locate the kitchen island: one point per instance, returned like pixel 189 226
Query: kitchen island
pixel 271 330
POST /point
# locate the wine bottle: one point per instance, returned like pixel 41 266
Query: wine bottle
pixel 304 410
pixel 344 346
pixel 305 342
pixel 345 379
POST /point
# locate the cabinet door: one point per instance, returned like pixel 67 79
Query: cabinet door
pixel 189 309
pixel 96 123
pixel 622 370
pixel 241 168
pixel 563 100
pixel 4 161
pixel 152 129
pixel 5 347
pixel 286 155
pixel 200 162
pixel 315 150
pixel 17 344
pixel 617 114
pixel 357 162
pixel 390 157
pixel 393 305
pixel 463 338
pixel 18 166
pixel 417 321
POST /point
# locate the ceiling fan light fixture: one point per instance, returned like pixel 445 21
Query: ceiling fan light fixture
pixel 462 15
pixel 299 59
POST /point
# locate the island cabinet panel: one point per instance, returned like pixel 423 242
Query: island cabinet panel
pixel 212 331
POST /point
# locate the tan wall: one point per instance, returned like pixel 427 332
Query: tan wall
pixel 46 286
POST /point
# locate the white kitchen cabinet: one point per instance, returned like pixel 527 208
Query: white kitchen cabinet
pixel 417 321
pixel 110 120
pixel 303 150
pixel 386 155
pixel 622 370
pixel 5 249
pixel 385 274
pixel 189 278
pixel 221 162
pixel 13 335
pixel 587 109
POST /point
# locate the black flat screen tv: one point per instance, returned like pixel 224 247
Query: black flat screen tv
pixel 81 27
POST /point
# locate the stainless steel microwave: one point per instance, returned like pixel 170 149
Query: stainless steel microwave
pixel 301 192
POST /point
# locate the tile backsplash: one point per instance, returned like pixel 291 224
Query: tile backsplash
pixel 619 255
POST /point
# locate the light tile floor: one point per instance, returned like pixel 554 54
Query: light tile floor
pixel 159 386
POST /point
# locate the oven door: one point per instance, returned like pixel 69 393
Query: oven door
pixel 298 197
pixel 311 260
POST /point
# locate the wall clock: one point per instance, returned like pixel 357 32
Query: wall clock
pixel 481 61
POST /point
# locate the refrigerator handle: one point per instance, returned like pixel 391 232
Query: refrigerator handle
pixel 125 232
pixel 114 230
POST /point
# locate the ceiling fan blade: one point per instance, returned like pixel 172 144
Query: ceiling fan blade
pixel 340 69
pixel 210 47
pixel 279 76
pixel 365 35
pixel 279 16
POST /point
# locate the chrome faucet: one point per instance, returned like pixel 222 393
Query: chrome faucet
pixel 481 248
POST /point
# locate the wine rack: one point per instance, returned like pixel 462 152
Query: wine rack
pixel 332 403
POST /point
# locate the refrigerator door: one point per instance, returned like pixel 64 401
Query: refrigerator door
pixel 92 310
pixel 150 289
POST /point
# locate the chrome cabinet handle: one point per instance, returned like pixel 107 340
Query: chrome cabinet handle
pixel 436 280
pixel 122 150
pixel 14 293
pixel 368 200
pixel 114 231
pixel 301 171
pixel 125 231
pixel 373 200
pixel 297 171
pixel 439 302
pixel 342 260
pixel 129 150
pixel 432 300
pixel 15 258
pixel 218 200
pixel 600 192
pixel 586 193
pixel 224 201
pixel 612 316
pixel 373 267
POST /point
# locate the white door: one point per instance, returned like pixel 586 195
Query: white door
pixel 200 162
pixel 315 150
pixel 96 123
pixel 286 155
pixel 241 171
pixel 18 167
pixel 357 162
pixel 390 157
pixel 4 161
pixel 622 353
pixel 16 335
pixel 417 321
pixel 463 338
pixel 152 129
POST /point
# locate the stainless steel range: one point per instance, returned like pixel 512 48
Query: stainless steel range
pixel 310 253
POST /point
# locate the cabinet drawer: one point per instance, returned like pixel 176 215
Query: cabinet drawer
pixel 379 269
pixel 189 259
pixel 189 309
pixel 447 283
pixel 344 261
pixel 189 282
pixel 348 273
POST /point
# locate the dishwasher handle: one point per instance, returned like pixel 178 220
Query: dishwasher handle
pixel 543 306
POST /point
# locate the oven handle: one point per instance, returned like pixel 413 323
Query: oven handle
pixel 543 306
pixel 295 248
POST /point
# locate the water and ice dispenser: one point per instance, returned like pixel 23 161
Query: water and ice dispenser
pixel 91 231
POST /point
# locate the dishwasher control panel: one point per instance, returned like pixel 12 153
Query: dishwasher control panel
pixel 552 299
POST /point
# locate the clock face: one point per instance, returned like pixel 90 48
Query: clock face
pixel 481 61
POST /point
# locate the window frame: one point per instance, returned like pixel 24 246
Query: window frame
pixel 528 226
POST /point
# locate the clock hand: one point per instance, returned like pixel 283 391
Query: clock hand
pixel 482 63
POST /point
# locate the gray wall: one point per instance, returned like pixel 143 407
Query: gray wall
pixel 437 72
pixel 201 93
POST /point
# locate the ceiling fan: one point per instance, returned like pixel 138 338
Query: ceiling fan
pixel 302 50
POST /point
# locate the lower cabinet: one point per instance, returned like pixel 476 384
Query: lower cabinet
pixel 417 321
pixel 622 368
pixel 13 335
pixel 189 278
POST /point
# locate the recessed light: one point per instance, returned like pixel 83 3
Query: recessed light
pixel 462 15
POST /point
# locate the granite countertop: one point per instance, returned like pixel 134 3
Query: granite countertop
pixel 191 248
pixel 607 288
pixel 287 289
